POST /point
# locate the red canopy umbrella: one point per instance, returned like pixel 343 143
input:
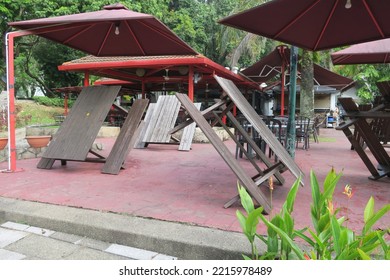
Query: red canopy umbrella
pixel 364 53
pixel 317 24
pixel 271 65
pixel 113 31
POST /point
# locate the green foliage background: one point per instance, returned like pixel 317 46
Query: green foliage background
pixel 195 21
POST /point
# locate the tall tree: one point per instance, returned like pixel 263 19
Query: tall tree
pixel 307 84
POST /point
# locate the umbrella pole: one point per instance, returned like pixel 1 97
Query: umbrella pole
pixel 291 133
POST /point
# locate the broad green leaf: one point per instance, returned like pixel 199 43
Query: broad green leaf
pixel 289 224
pixel 375 218
pixel 329 188
pixel 315 192
pixel 245 257
pixel 336 234
pixel 317 240
pixel 289 203
pixel 242 220
pixel 285 237
pixel 363 255
pixel 252 221
pixel 384 245
pixel 323 223
pixel 305 238
pixel 246 200
pixel 277 221
pixel 273 245
pixel 369 210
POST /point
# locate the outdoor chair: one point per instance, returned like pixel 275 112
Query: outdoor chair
pixel 303 131
pixel 241 140
pixel 276 127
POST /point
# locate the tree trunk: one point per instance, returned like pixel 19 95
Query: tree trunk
pixel 307 85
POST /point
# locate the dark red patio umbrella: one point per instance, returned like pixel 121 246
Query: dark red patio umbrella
pixel 364 53
pixel 271 65
pixel 113 31
pixel 316 24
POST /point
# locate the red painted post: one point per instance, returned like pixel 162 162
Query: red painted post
pixel 86 78
pixel 11 106
pixel 66 103
pixel 9 38
pixel 191 83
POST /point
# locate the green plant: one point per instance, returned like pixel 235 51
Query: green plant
pixel 328 239
pixel 56 102
pixel 3 118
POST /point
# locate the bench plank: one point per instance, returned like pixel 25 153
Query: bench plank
pixel 224 152
pixel 188 134
pixel 126 138
pixel 251 115
pixel 80 128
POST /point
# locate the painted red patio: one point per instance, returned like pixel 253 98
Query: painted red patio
pixel 191 187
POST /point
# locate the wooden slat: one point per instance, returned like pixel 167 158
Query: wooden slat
pixel 251 115
pixel 77 133
pixel 224 152
pixel 140 144
pixel 126 138
pixel 188 134
pixel 364 131
pixel 45 163
pixel 204 113
pixel 252 143
pixel 168 117
pixel 163 120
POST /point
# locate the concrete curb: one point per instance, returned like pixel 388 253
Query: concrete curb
pixel 180 240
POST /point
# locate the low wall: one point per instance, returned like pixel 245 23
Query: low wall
pixel 24 151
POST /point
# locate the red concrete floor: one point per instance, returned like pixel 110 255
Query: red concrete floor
pixel 161 182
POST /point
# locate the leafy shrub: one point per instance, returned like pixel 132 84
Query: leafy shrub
pixel 54 102
pixel 330 238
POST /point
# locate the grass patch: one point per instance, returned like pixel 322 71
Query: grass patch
pixel 31 113
pixel 324 139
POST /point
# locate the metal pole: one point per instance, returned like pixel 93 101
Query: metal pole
pixel 291 133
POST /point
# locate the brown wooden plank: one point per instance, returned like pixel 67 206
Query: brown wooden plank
pixel 163 120
pixel 224 152
pixel 204 113
pixel 249 157
pixel 167 119
pixel 358 148
pixel 80 128
pixel 140 144
pixel 266 175
pixel 251 115
pixel 45 163
pixel 126 138
pixel 252 143
pixel 188 134
pixel 365 131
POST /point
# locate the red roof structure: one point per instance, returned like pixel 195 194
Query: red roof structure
pixel 156 72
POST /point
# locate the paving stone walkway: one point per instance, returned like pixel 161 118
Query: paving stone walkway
pixel 24 242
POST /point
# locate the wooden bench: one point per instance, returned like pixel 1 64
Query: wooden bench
pixel 233 96
pixel 364 132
